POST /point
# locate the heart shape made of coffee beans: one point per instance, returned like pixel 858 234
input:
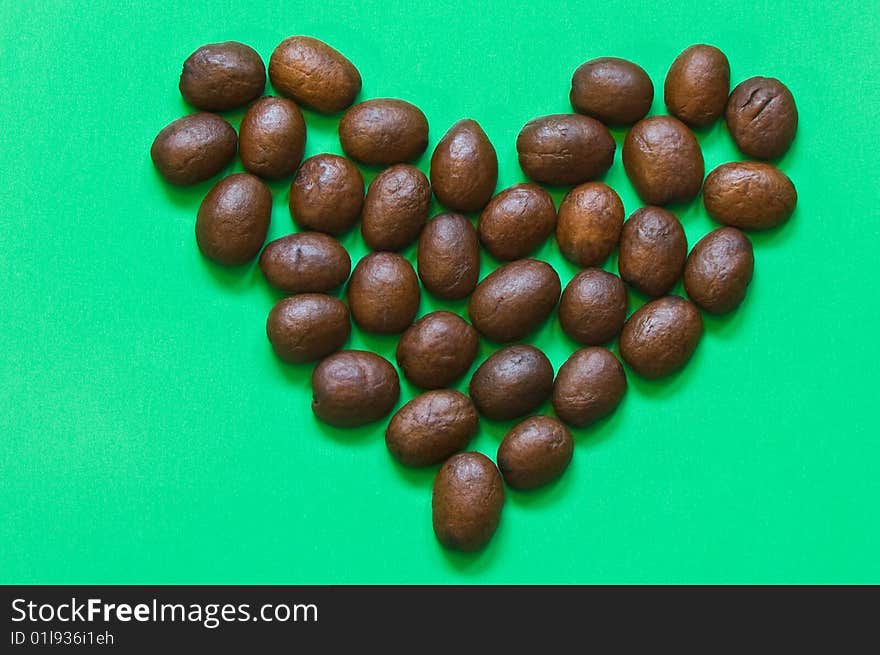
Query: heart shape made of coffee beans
pixel 662 158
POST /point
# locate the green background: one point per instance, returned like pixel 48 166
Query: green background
pixel 148 434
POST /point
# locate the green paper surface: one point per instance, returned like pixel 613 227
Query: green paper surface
pixel 149 435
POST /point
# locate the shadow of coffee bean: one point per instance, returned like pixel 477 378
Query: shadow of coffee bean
pixel 478 562
pixel 362 435
pixel 417 477
pixel 592 436
pixel 548 494
pixel 297 375
pixel 233 278
pixel 665 386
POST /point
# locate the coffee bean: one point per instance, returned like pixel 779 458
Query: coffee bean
pixel 517 221
pixel 514 300
pixel 305 262
pixel 307 327
pixel 614 91
pixel 464 167
pixel 327 194
pixel 565 149
pixel 383 132
pixel 354 387
pixel 431 427
pixel 762 117
pixel 697 85
pixel 660 337
pixel 749 195
pixel 383 293
pixel 535 452
pixel 719 270
pixel 437 350
pixel 593 307
pixel 222 76
pixel 467 502
pixel 512 382
pixel 589 386
pixel 589 223
pixel 314 74
pixel 233 219
pixel 193 149
pixel 449 257
pixel 272 138
pixel 653 249
pixel 396 208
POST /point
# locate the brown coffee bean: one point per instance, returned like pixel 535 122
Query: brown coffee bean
pixel 663 160
pixel 517 221
pixel 222 76
pixel 719 270
pixel 314 74
pixel 307 327
pixel 614 91
pixel 514 300
pixel 762 117
pixel 749 195
pixel 396 208
pixel 431 427
pixel 272 137
pixel 233 219
pixel 653 248
pixel 354 387
pixel 589 223
pixel 383 293
pixel 565 149
pixel 589 386
pixel 512 382
pixel 593 307
pixel 449 257
pixel 535 452
pixel 383 132
pixel 308 262
pixel 327 194
pixel 467 501
pixel 464 167
pixel 697 85
pixel 437 350
pixel 660 337
pixel 194 148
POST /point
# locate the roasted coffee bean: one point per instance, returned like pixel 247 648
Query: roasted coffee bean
pixel 719 270
pixel 354 387
pixel 233 219
pixel 431 427
pixel 307 327
pixel 762 117
pixel 307 262
pixel 327 194
pixel 749 195
pixel 565 149
pixel 383 293
pixel 383 132
pixel 396 208
pixel 514 300
pixel 449 257
pixel 194 148
pixel 593 307
pixel 314 74
pixel 614 91
pixel 653 249
pixel 464 167
pixel 660 337
pixel 437 350
pixel 511 383
pixel 697 85
pixel 272 137
pixel 589 386
pixel 467 501
pixel 589 223
pixel 535 452
pixel 517 221
pixel 222 76
pixel 663 160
